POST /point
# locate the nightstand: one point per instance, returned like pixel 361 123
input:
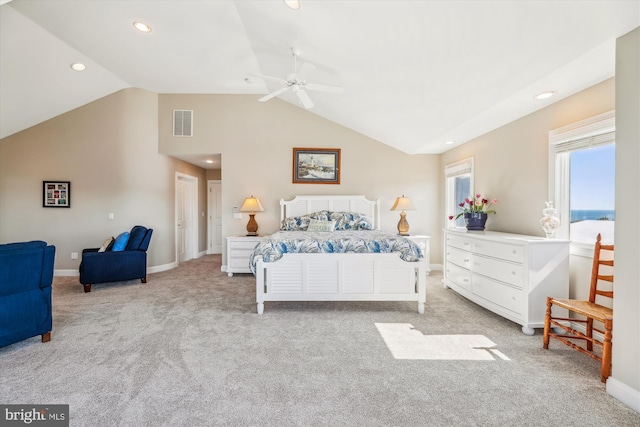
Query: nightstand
pixel 239 249
pixel 424 244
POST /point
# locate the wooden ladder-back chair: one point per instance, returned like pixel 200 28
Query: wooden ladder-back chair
pixel 591 310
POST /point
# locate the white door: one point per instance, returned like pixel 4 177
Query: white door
pixel 186 208
pixel 215 217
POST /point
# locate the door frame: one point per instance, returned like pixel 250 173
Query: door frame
pixel 210 225
pixel 192 183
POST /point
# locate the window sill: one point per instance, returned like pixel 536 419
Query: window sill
pixel 581 249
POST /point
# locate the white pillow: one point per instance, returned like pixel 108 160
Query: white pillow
pixel 317 225
pixel 105 244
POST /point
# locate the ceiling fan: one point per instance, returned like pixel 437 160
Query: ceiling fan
pixel 295 84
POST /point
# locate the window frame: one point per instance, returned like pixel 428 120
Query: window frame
pixel 596 130
pixel 452 170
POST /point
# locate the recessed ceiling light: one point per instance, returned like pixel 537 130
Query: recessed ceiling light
pixel 77 66
pixel 293 4
pixel 141 26
pixel 209 161
pixel 545 95
pixel 449 142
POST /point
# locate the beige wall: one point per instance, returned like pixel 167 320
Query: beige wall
pixel 626 363
pixel 256 141
pixel 108 149
pixel 511 164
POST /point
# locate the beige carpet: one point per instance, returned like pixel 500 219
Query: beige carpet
pixel 188 349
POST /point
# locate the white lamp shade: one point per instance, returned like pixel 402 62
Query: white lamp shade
pixel 251 204
pixel 403 204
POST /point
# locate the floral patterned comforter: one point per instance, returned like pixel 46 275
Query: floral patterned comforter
pixel 360 241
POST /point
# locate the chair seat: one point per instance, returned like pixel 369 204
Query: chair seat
pixel 586 308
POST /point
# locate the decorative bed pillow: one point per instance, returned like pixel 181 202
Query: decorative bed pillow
pixel 301 223
pixel 121 242
pixel 108 242
pixel 351 221
pixel 318 225
pixel 295 223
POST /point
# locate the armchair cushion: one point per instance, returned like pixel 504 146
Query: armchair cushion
pixel 26 274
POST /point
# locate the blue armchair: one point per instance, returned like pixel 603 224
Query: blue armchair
pixel 116 266
pixel 26 274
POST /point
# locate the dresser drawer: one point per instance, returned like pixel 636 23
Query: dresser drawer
pixel 459 276
pixel 235 252
pixel 460 242
pixel 240 263
pixel 497 269
pixel 243 245
pixel 459 257
pixel 498 293
pixel 504 251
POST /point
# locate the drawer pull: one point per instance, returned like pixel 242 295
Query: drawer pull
pixel 466 260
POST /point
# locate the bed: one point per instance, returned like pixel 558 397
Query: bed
pixel 395 270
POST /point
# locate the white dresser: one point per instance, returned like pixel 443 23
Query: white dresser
pixel 239 249
pixel 509 274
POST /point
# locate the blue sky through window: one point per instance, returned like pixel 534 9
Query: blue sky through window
pixel 593 178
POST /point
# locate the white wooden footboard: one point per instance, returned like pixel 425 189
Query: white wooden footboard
pixel 341 277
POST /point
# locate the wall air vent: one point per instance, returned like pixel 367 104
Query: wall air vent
pixel 182 122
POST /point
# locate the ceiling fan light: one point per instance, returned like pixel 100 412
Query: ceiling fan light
pixel 293 4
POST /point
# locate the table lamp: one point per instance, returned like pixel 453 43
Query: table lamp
pixel 252 205
pixel 403 204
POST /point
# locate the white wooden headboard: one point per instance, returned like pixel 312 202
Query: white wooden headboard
pixel 302 205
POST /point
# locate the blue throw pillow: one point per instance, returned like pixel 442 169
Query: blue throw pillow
pixel 121 242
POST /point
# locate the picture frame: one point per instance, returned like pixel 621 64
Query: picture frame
pixel 56 194
pixel 316 165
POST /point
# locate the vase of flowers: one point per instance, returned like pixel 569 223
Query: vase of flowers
pixel 475 211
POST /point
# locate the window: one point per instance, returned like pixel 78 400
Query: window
pixel 458 186
pixel 582 180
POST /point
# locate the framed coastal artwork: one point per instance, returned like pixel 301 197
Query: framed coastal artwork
pixel 316 166
pixel 56 194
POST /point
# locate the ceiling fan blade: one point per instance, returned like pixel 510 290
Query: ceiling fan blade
pixel 306 67
pixel 304 98
pixel 274 94
pixel 273 79
pixel 324 88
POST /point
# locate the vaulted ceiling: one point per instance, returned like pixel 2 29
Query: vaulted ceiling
pixel 415 73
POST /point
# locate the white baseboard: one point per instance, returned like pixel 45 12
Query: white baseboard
pixel 223 268
pixel 624 393
pixel 66 273
pixel 154 269
pixel 163 267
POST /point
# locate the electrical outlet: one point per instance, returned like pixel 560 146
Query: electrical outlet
pixel 74 255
